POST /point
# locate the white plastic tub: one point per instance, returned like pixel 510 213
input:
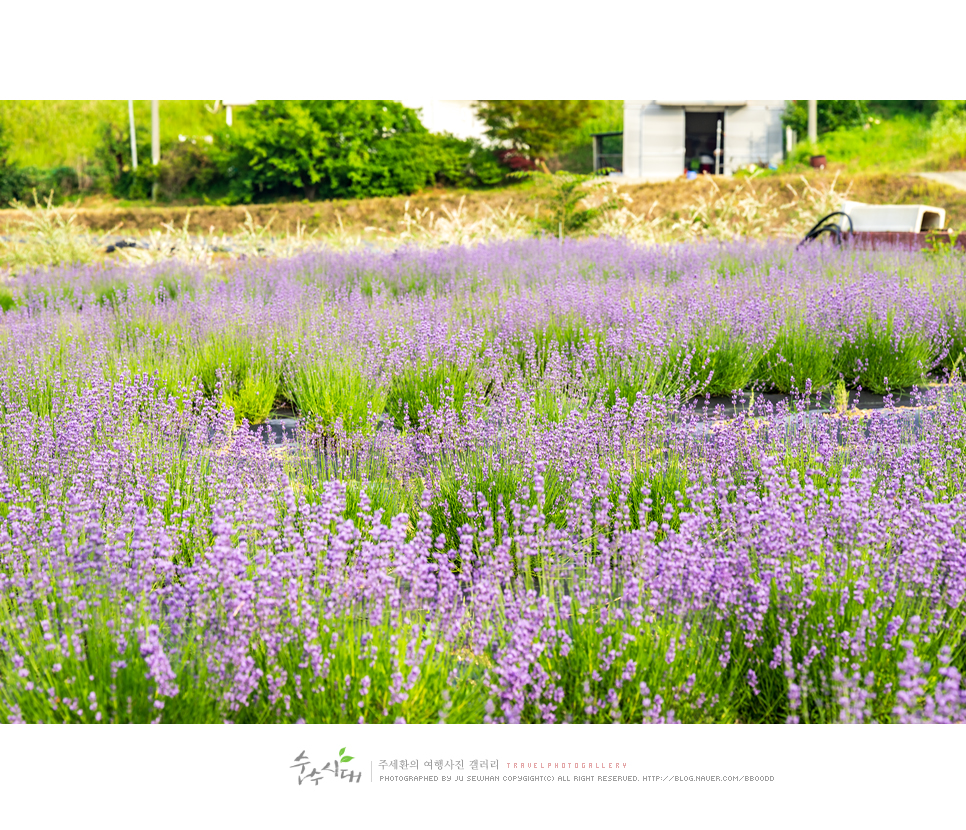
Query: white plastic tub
pixel 893 218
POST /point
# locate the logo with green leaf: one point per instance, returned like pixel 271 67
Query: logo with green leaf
pixel 343 758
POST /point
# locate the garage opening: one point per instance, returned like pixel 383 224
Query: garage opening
pixel 608 151
pixel 700 137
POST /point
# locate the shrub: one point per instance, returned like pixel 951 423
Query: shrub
pixel 112 158
pixel 799 357
pixel 426 385
pixel 335 388
pixel 461 162
pixel 187 167
pixel 339 149
pixel 569 210
pixel 881 356
pixel 832 115
pixel 14 182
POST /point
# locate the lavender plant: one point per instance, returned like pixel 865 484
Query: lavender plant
pixel 549 527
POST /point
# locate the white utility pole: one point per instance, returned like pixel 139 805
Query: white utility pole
pixel 134 144
pixel 717 150
pixel 155 145
pixel 155 134
pixel 813 121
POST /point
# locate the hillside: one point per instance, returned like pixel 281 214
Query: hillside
pixel 669 200
pixel 53 133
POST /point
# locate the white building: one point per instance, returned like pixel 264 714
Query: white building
pixel 456 117
pixel 665 139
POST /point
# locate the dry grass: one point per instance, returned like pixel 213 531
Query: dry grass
pixel 672 199
pixel 53 237
pixel 750 209
pixel 710 207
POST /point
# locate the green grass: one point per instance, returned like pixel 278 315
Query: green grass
pixel 905 142
pixel 722 361
pixel 880 358
pixel 55 239
pixel 427 385
pixel 893 145
pixel 53 133
pixel 799 355
pixel 334 388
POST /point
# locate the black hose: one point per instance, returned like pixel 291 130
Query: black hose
pixel 820 227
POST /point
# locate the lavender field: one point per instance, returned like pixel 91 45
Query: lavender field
pixel 517 482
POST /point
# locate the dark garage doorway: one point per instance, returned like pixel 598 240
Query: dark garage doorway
pixel 700 135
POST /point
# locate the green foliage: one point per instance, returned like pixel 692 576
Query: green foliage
pixel 949 110
pixel 840 397
pixel 555 404
pixel 188 168
pixel 955 324
pixel 333 389
pixel 722 361
pixel 316 149
pixel 532 349
pixel 799 355
pixel 919 135
pixel 459 162
pixel 500 483
pixel 891 109
pixel 947 132
pixel 48 134
pixel 576 153
pixel 112 156
pixel 125 692
pixel 251 394
pixel 7 300
pixel 192 167
pixel 536 129
pixel 625 376
pixel 897 145
pixel 832 115
pixel 564 215
pixel 241 370
pixel 55 239
pixel 329 149
pixel 14 183
pixel 417 387
pixel 882 358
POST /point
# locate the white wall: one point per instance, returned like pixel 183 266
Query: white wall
pixel 753 134
pixel 654 135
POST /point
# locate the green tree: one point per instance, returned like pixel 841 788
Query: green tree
pixel 347 149
pixel 832 115
pixel 564 213
pixel 112 159
pixel 949 111
pixel 14 182
pixel 460 162
pixel 535 129
pixel 328 149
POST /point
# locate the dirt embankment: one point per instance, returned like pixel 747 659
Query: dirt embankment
pixel 389 213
